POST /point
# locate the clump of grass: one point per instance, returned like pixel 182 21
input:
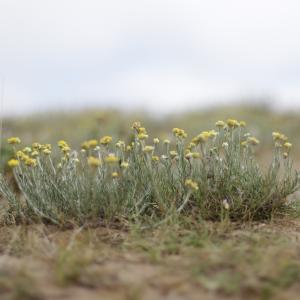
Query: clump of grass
pixel 215 176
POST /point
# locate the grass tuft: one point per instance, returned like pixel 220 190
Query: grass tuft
pixel 214 176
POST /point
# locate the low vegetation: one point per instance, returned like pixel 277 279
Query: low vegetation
pixel 213 176
pixel 150 213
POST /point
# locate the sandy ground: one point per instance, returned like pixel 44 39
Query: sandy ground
pixel 38 262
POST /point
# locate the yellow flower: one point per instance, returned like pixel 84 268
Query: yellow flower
pixel 155 158
pixel 114 174
pixel 191 184
pixel 120 144
pixel 12 163
pixel 136 125
pixel 243 124
pixel 47 151
pixel 277 136
pixel 30 162
pixel 111 158
pixel 34 153
pixel 191 146
pixel 105 140
pixel 220 124
pixel 47 146
pixel 124 165
pixel 66 149
pixel 179 133
pixel 94 162
pixel 212 133
pixel 62 144
pixel 287 145
pixel 285 154
pixel 27 150
pixel 244 144
pixel 20 154
pixel 142 136
pixel 128 148
pixel 232 123
pixel 85 145
pixel 173 153
pixel 148 149
pixel 91 144
pixel 196 155
pixel 188 154
pixel 203 137
pixel 166 141
pixel 36 146
pixel 156 141
pixel 252 140
pixel 13 140
pixel 142 130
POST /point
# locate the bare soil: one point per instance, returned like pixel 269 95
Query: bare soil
pixel 257 261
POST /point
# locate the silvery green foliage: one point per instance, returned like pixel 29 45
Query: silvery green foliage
pixel 222 164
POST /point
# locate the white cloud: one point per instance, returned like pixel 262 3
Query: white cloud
pixel 170 53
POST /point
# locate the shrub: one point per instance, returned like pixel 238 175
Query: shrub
pixel 214 176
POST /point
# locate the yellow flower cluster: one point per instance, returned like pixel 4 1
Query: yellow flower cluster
pixel 142 133
pixel 93 161
pixel 281 141
pixel 124 165
pixel 287 145
pixel 203 137
pixel 136 125
pixel 148 149
pixel 189 183
pixel 30 155
pixel 232 123
pixel 47 151
pixel 220 124
pixel 252 140
pixel 106 140
pixel 28 161
pixel 120 144
pixel 14 140
pixel 180 133
pixel 111 158
pixel 89 144
pixel 31 162
pixel 12 163
pixel 34 151
pixel 114 174
pixel 173 153
pixel 277 136
pixel 63 145
pixel 155 158
pixel 190 155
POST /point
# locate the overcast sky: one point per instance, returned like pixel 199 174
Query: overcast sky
pixel 156 54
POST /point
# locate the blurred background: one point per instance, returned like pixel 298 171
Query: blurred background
pixel 77 69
